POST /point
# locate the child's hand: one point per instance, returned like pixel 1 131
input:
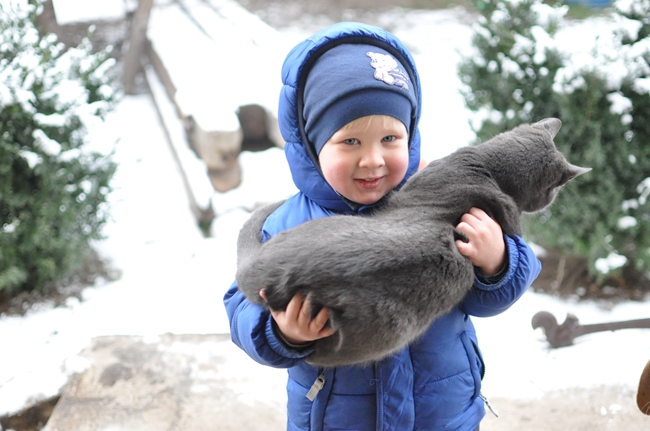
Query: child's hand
pixel 295 322
pixel 485 248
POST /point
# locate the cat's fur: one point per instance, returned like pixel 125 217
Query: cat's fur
pixel 386 277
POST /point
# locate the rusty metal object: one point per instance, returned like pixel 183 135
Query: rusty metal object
pixel 564 334
pixel 643 394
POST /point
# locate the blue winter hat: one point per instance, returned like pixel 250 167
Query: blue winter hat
pixel 351 81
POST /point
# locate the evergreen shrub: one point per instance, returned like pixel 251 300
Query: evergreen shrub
pixel 53 189
pixel 522 71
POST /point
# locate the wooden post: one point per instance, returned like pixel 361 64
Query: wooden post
pixel 46 22
pixel 137 38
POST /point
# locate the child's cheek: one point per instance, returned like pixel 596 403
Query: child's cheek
pixel 403 163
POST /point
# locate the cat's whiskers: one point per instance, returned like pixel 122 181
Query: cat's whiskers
pixel 568 188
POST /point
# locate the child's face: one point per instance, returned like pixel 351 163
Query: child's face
pixel 365 160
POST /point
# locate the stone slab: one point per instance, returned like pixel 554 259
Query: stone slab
pixel 204 382
pixel 601 408
pixel 170 382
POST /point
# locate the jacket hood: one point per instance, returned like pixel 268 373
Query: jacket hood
pixel 301 154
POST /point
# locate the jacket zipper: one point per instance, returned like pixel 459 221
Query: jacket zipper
pixel 316 387
pixel 488 405
pixel 379 397
pixel 483 397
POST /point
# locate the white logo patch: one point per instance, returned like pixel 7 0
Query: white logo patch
pixel 387 70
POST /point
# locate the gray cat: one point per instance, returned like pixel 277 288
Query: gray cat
pixel 386 277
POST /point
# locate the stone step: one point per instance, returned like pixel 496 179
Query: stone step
pixel 170 382
pixel 205 382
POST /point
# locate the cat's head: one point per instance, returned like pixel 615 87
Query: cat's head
pixel 531 169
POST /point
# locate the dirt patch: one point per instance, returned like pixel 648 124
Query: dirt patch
pixel 95 268
pixel 569 278
pixel 31 419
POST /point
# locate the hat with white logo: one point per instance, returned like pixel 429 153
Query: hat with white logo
pixel 351 81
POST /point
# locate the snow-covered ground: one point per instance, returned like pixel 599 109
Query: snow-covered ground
pixel 173 279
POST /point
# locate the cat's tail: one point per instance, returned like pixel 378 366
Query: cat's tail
pixel 249 243
pixel 249 240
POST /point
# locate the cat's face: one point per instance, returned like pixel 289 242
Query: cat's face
pixel 544 193
pixel 548 169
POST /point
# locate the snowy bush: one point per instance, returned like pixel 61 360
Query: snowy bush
pixel 511 75
pixel 522 73
pixel 52 188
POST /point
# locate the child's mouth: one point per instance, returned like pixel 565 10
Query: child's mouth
pixel 368 183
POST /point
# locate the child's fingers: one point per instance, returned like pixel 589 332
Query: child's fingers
pixel 474 220
pixel 479 227
pixel 318 322
pixel 466 228
pixel 483 219
pixel 317 325
pixel 326 332
pixel 294 307
pixel 465 248
pixel 306 313
pixel 478 213
pixel 296 322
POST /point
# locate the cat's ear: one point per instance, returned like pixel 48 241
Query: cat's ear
pixel 552 125
pixel 572 172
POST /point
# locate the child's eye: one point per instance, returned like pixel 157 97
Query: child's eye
pixel 350 141
pixel 389 138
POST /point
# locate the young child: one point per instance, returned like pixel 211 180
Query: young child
pixel 349 111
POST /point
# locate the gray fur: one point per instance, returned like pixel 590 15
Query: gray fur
pixel 386 277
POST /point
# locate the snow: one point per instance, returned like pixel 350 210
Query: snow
pixel 611 262
pixel 194 167
pixel 71 11
pixel 217 29
pixel 173 279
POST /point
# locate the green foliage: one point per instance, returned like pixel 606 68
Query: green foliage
pixel 511 77
pixel 520 74
pixel 52 188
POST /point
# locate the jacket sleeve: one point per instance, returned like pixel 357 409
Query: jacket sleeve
pixel 251 329
pixel 485 300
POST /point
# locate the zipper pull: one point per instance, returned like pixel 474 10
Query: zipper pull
pixel 489 406
pixel 316 387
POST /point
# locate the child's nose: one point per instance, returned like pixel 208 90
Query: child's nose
pixel 372 157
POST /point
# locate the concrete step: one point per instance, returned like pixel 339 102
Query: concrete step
pixel 204 382
pixel 170 382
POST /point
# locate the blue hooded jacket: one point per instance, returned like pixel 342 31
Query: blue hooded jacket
pixel 433 384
